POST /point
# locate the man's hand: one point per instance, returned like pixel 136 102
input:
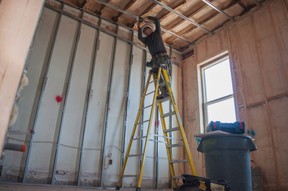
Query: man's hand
pixel 140 19
pixel 149 64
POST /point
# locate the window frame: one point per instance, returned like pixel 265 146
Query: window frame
pixel 203 104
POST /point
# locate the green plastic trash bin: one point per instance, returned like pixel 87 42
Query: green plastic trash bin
pixel 227 157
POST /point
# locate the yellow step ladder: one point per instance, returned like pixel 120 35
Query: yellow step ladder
pixel 156 74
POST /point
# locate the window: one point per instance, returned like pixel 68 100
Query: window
pixel 217 92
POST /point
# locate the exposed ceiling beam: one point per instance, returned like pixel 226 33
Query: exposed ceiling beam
pixel 179 21
pixel 178 36
pixel 217 9
pixel 179 4
pixel 148 8
pixel 161 17
pixel 115 18
pixel 246 9
pixel 82 3
pixel 190 28
pixel 181 15
pixel 103 6
pixel 257 3
pixel 103 2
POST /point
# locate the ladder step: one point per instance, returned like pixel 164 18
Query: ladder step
pixel 178 161
pixel 172 129
pixel 171 138
pixel 165 137
pixel 150 93
pixel 130 176
pixel 168 138
pixel 164 99
pixel 169 114
pixel 175 145
pixel 156 141
pixel 138 138
pixel 162 84
pixel 135 155
pixel 147 106
pixel 144 121
pixel 18 132
pixel 152 81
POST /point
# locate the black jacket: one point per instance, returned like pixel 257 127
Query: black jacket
pixel 154 40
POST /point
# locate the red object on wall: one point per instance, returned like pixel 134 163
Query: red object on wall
pixel 58 99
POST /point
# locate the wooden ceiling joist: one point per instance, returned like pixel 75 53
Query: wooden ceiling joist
pixel 183 21
pixel 115 18
pixel 181 15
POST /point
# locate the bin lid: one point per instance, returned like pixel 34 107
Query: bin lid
pixel 226 141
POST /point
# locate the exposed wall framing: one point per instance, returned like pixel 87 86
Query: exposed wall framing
pixel 76 116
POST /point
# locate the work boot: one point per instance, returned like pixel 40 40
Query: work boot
pixel 154 70
pixel 164 93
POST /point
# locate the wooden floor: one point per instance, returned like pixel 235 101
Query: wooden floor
pixel 34 187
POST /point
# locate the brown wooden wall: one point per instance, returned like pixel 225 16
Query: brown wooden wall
pixel 258 49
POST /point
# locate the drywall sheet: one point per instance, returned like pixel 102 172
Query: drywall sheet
pixel 149 166
pixel 71 129
pixel 95 120
pixel 135 93
pixel 115 119
pixel 47 121
pixel 80 88
pixel 176 151
pixel 13 163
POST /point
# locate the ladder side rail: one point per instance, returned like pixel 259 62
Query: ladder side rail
pixel 133 132
pixel 179 122
pixel 168 142
pixel 148 130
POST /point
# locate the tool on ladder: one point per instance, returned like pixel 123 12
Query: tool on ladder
pixel 156 74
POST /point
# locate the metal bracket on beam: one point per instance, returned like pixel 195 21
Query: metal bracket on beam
pixel 217 9
pixel 181 15
pixel 136 17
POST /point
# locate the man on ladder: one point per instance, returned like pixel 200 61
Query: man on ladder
pixel 159 76
pixel 149 32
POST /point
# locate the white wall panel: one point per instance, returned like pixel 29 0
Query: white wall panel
pixel 14 160
pixel 135 93
pixel 149 167
pixel 93 80
pixel 116 112
pixel 49 109
pixel 71 127
pixel 176 151
pixel 91 164
pixel 164 173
